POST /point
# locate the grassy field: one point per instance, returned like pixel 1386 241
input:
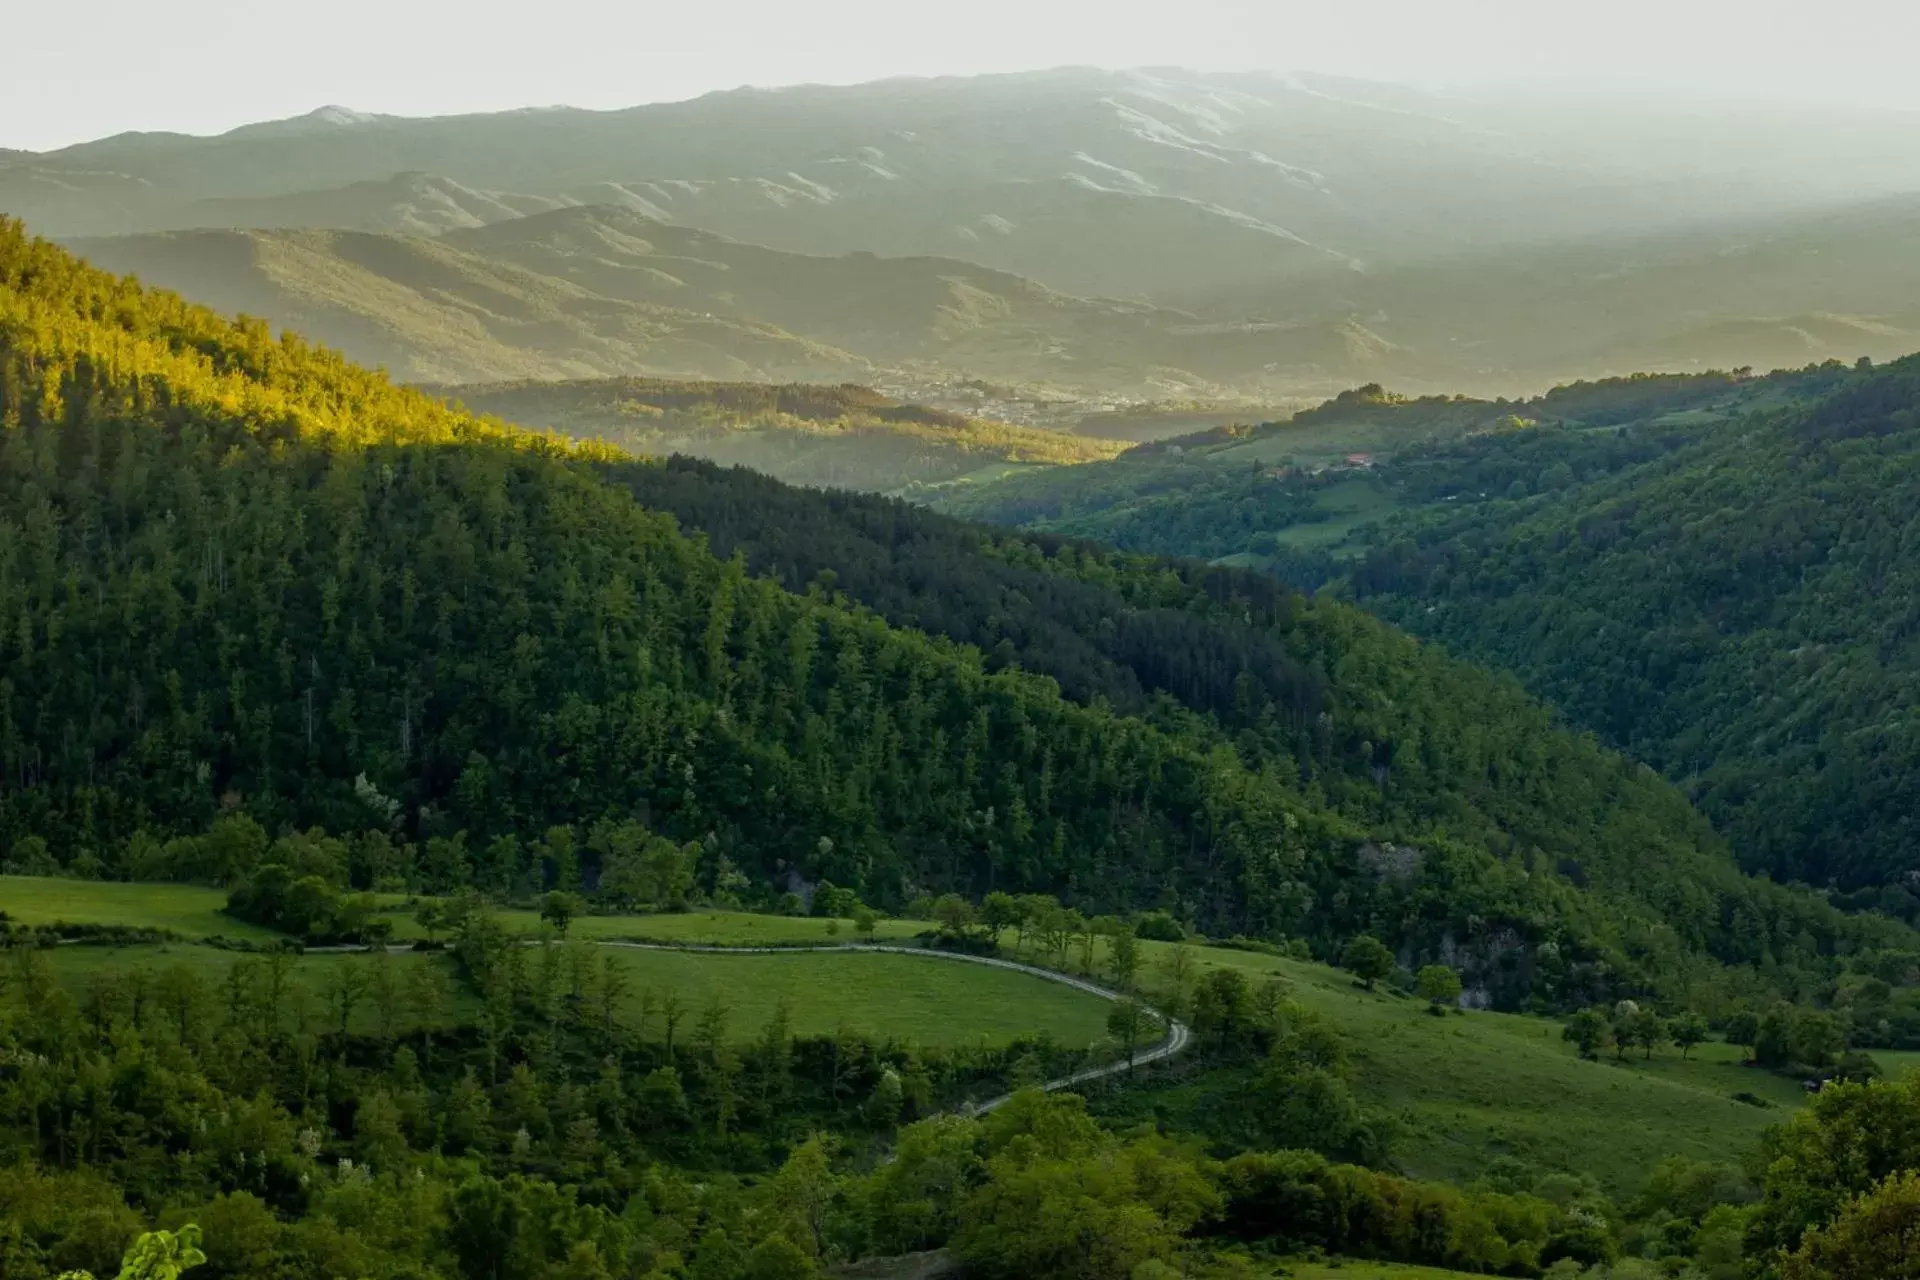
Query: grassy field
pixel 1464 1089
pixel 925 1001
pixel 188 910
pixel 728 928
pixel 1468 1088
pixel 929 1002
pixel 1349 504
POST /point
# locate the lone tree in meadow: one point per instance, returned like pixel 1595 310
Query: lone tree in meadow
pixel 954 914
pixel 1645 1029
pixel 1367 958
pixel 1000 912
pixel 1123 958
pixel 1587 1031
pixel 1689 1029
pixel 1438 986
pixel 1743 1028
pixel 559 908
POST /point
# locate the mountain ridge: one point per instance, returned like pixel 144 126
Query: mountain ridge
pixel 1368 173
pixel 593 291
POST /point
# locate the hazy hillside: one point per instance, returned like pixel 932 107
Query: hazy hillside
pixel 1759 292
pixel 1111 183
pixel 604 291
pixel 430 312
pixel 1274 236
pixel 845 437
pixel 415 204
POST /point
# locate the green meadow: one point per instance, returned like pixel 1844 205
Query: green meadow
pixel 925 1001
pixel 1462 1089
pixel 1471 1087
pixel 188 910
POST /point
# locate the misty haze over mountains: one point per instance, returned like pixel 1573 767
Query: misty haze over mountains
pixel 1270 234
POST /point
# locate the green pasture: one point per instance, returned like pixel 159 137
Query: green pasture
pixel 925 1001
pixel 1468 1088
pixel 719 928
pixel 189 910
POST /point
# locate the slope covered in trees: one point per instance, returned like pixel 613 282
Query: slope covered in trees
pixel 1295 489
pixel 1706 570
pixel 1731 600
pixel 238 573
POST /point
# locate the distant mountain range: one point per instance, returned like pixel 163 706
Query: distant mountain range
pixel 1264 234
pixel 586 292
pixel 1095 182
pixel 1777 291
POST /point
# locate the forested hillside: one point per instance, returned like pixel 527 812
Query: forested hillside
pixel 1705 570
pixel 1291 489
pixel 1731 600
pixel 239 574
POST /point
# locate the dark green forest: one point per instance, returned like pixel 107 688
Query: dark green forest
pixel 1732 601
pixel 239 574
pixel 1706 571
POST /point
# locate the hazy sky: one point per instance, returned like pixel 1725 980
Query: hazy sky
pixel 94 67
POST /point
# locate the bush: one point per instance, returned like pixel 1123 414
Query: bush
pixel 306 907
pixel 99 935
pixel 1368 959
pixel 1158 926
pixel 1301 1202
